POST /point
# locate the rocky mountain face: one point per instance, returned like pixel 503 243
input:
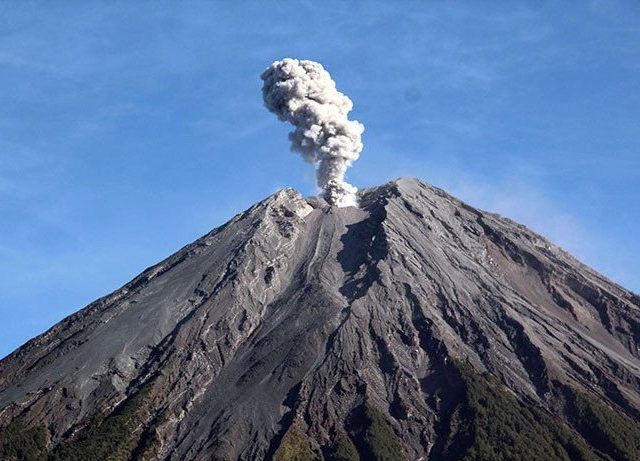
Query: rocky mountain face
pixel 413 327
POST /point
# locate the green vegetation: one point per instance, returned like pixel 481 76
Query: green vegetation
pixel 111 438
pixel 19 442
pixel 343 450
pixel 295 446
pixel 496 426
pixel 499 427
pixel 486 423
pixel 607 430
pixel 375 437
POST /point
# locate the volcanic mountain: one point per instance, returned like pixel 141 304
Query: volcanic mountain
pixel 411 327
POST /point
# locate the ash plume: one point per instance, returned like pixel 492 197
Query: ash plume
pixel 302 93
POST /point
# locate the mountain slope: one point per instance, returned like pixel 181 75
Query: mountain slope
pixel 412 327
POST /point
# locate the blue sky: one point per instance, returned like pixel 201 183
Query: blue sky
pixel 128 130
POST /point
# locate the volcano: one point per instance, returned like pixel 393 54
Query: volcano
pixel 412 327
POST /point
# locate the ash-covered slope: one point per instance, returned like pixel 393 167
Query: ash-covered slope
pixel 413 327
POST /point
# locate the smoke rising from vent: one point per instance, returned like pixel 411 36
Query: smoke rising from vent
pixel 303 94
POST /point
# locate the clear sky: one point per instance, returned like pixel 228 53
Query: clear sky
pixel 127 131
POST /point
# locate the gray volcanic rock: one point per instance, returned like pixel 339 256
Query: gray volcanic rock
pixel 293 318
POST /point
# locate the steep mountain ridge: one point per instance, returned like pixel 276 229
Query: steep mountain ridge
pixel 298 330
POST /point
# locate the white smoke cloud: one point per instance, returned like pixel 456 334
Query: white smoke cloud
pixel 303 94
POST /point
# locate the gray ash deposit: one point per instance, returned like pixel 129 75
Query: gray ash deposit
pixel 411 327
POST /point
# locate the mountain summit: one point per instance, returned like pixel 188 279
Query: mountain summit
pixel 412 327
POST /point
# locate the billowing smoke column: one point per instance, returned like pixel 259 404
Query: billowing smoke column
pixel 303 94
